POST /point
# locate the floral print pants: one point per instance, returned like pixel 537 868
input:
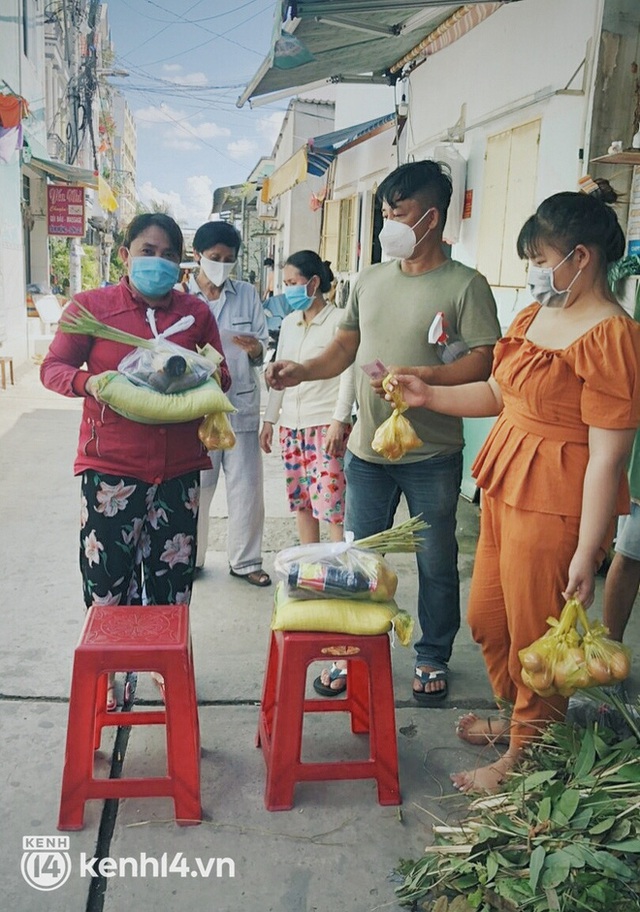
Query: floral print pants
pixel 138 537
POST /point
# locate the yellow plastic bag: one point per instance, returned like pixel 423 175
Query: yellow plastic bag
pixel 340 616
pixel 562 661
pixel 216 432
pixel 146 406
pixel 395 437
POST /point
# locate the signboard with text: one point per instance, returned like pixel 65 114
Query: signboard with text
pixel 65 211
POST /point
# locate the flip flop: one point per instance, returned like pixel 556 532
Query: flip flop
pixel 255 578
pixel 335 674
pixel 434 697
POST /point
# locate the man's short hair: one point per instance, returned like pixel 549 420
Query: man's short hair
pixel 428 178
pixel 212 233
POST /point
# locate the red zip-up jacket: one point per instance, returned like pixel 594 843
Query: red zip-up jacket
pixel 108 442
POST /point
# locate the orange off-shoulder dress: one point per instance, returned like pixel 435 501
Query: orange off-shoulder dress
pixel 531 471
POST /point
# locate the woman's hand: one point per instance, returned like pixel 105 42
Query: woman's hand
pixel 414 392
pixel 581 579
pixel 266 437
pixel 334 442
pixel 376 383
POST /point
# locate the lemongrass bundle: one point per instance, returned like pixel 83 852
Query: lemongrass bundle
pixel 401 538
pixel 84 323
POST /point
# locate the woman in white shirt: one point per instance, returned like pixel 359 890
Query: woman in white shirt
pixel 315 417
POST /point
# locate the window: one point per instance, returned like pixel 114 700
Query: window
pixel 339 233
pixel 511 165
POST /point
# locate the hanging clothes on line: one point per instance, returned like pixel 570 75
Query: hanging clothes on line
pixel 13 109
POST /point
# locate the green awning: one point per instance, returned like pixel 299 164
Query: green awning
pixel 61 171
pixel 332 41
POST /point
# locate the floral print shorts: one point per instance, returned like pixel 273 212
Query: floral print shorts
pixel 315 480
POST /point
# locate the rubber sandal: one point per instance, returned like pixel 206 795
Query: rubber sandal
pixel 335 674
pixel 255 578
pixel 434 697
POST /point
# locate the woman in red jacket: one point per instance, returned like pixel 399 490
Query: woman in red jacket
pixel 140 482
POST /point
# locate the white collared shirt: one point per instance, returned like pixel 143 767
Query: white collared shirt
pixel 239 311
pixel 314 402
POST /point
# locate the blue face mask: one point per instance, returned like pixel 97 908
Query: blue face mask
pixel 153 275
pixel 297 297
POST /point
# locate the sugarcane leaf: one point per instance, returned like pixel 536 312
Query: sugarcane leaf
pixel 630 772
pixel 613 866
pixel 492 866
pixel 553 900
pixel 577 854
pixel 459 904
pixel 620 831
pixel 535 866
pixel 544 809
pixel 441 905
pixel 602 748
pixel 587 755
pixel 535 780
pixel 625 845
pixel 556 870
pixel 568 803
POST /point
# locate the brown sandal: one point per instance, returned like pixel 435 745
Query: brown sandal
pixel 255 578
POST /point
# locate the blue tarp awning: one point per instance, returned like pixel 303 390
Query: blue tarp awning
pixel 321 150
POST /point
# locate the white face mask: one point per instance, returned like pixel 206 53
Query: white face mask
pixel 541 287
pixel 216 272
pixel 399 240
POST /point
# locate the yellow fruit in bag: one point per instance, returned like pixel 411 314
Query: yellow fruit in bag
pixel 562 661
pixel 340 616
pixel 396 435
pixel 216 432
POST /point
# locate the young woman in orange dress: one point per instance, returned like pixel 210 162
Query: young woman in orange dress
pixel 566 389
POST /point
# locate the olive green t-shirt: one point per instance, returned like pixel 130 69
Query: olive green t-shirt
pixel 393 312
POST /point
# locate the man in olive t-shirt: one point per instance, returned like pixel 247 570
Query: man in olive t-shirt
pixel 388 317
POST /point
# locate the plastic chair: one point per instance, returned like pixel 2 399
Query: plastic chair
pixel 121 638
pixel 369 700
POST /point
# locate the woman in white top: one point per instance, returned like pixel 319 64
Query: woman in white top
pixel 315 417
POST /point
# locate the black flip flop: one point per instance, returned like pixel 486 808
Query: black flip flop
pixel 435 697
pixel 334 673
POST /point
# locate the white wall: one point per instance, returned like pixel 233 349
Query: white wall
pixel 298 225
pixel 357 103
pixel 525 51
pixel 25 76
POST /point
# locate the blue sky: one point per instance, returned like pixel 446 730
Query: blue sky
pixel 188 61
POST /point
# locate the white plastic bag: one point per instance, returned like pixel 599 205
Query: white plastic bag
pixel 335 570
pixel 166 368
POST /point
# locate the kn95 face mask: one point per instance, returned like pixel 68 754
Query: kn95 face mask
pixel 399 240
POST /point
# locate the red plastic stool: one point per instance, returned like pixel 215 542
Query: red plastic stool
pixel 122 638
pixel 369 699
